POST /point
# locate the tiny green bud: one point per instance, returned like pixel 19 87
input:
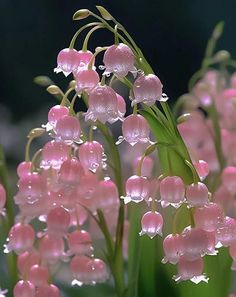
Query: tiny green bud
pixel 72 84
pixel 43 81
pixel 221 56
pixel 53 89
pixel 104 13
pixel 183 118
pixel 81 14
pixel 36 132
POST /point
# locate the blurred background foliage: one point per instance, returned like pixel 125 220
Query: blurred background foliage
pixel 172 34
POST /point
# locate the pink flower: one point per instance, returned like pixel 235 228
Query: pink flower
pixel 190 270
pixel 172 191
pixel 137 189
pixel 103 105
pixel 148 90
pixel 151 223
pixel 135 129
pixel 119 59
pixel 67 61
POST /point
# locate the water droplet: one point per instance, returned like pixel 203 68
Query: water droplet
pixel 104 157
pixel 7 249
pixel 140 71
pixel 120 140
pixel 104 166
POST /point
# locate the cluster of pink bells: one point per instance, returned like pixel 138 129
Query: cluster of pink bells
pixel 72 181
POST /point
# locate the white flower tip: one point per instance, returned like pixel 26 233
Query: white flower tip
pixel 7 249
pixel 48 127
pixel 177 278
pixel 3 292
pixel 57 70
pixel 164 260
pixel 200 278
pixel 163 99
pixel 212 253
pixel 75 282
pixel 164 204
pixel 141 233
pixel 219 245
pixel 126 199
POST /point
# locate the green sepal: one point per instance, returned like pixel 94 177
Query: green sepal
pixel 104 13
pixel 81 14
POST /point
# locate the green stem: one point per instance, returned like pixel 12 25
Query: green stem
pixel 91 133
pixel 161 116
pixel 90 65
pixel 71 107
pixel 114 156
pixel 27 149
pixel 73 40
pixel 110 28
pixel 118 270
pixel 35 156
pixel 134 250
pixel 64 98
pixel 107 235
pixel 195 175
pixel 169 116
pixel 116 35
pixel 86 40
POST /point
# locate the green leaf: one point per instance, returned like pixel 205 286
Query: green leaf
pixel 81 14
pixel 172 159
pixel 104 13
